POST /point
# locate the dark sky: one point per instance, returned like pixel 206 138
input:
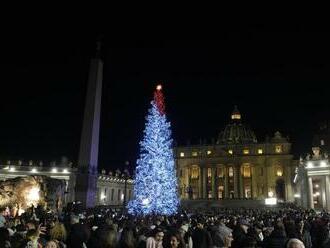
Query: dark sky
pixel 278 79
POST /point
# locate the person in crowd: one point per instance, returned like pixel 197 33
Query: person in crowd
pixel 277 238
pixel 176 241
pixel 295 243
pixel 240 233
pixel 200 236
pixel 156 240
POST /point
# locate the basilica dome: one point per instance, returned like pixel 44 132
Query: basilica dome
pixel 236 132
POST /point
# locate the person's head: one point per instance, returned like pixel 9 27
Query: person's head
pixel 32 235
pixel 30 225
pixel 244 224
pixel 74 219
pixel 200 223
pixel 228 239
pixel 158 234
pixel 51 244
pixel 176 241
pixel 58 232
pixel 295 243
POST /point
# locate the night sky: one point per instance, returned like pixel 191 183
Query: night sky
pixel 278 79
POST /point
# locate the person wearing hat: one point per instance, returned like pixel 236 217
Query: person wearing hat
pixel 201 237
pixel 240 233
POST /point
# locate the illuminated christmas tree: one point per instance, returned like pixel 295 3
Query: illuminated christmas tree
pixel 155 187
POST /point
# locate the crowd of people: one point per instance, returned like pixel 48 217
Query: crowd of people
pixel 105 227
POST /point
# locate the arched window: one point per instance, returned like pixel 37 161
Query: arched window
pixel 279 171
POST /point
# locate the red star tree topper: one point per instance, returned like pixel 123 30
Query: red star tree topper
pixel 159 99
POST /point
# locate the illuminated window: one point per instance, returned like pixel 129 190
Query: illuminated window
pixel 230 172
pixel 181 154
pixel 279 171
pixel 194 154
pixel 260 151
pixel 194 172
pixel 208 152
pixel 246 151
pixel 246 171
pixel 220 171
pixel 220 192
pixel 278 148
pixel 230 152
pixel 209 172
pixel 322 142
pixel 236 116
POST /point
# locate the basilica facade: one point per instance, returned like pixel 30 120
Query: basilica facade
pixel 237 166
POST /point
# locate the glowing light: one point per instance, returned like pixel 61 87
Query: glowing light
pixel 295 178
pixel 181 154
pixel 323 164
pixel 32 196
pixel 65 171
pixel 209 152
pixel 12 169
pixel 270 194
pixel 246 151
pixel 270 201
pixel 159 87
pixel 122 197
pixel 102 197
pixel 317 186
pixel 6 168
pixel 310 165
pixel 230 152
pixel 34 170
pixel 54 170
pixel 260 151
pixel 296 196
pixel 145 202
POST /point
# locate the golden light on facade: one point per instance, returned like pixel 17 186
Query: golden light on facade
pixel 260 151
pixel 32 196
pixel 230 152
pixel 246 151
pixel 279 172
pixel 235 116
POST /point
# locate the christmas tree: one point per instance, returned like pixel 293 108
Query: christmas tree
pixel 155 187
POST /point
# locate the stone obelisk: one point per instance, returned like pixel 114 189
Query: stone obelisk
pixel 85 190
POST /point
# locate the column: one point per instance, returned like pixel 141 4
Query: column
pixel 205 183
pixel 310 190
pixel 323 192
pixel 226 182
pixel 213 182
pixel 236 186
pixel 240 180
pixel 327 192
pixel 200 183
pixel 252 182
